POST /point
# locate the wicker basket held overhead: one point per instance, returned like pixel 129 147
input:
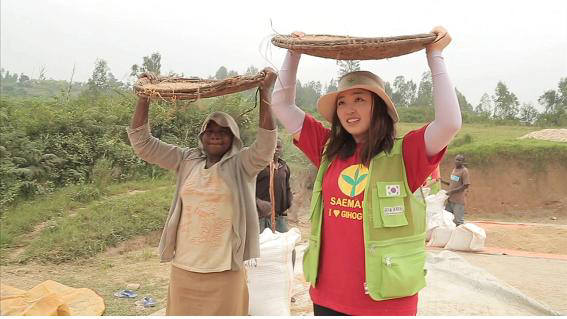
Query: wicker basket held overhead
pixel 175 88
pixel 354 48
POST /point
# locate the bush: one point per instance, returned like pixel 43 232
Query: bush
pixel 465 139
pixel 48 143
pixel 86 194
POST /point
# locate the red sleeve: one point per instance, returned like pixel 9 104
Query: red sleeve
pixel 312 139
pixel 418 164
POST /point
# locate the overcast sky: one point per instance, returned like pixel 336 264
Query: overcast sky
pixel 522 43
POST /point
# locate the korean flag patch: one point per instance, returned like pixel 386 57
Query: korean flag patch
pixel 392 190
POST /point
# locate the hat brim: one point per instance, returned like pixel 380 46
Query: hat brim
pixel 327 104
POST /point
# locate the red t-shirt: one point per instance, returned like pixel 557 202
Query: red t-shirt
pixel 340 279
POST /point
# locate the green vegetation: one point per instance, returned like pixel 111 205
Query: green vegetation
pixel 54 213
pixel 100 225
pixel 51 143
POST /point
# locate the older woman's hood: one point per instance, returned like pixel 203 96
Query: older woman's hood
pixel 224 120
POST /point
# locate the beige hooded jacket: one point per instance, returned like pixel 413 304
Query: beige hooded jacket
pixel 238 168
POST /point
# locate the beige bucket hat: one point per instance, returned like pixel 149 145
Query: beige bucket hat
pixel 327 104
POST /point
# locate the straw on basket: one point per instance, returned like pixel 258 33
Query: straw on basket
pixel 354 48
pixel 176 88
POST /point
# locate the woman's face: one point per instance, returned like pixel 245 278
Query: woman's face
pixel 354 109
pixel 216 139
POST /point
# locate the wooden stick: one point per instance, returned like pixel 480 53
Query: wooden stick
pixel 272 196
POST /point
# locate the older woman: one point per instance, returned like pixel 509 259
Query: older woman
pixel 212 226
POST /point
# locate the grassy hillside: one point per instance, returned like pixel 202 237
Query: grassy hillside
pixel 484 143
pixel 80 221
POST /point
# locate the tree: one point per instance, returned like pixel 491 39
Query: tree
pixel 99 77
pixel 307 95
pixel 102 79
pixel 404 92
pixel 463 103
pixel 150 63
pixel 549 101
pixel 251 70
pixel 528 113
pixel 347 66
pixel 388 89
pixel 425 91
pixel 42 73
pixel 23 78
pixel 222 73
pixel 555 104
pixel 505 103
pixel 484 107
pixel 9 77
pixel 332 86
pixel 232 73
pixel 112 81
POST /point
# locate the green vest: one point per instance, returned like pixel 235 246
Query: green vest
pixel 394 229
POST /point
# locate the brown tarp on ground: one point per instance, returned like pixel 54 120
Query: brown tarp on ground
pixel 50 298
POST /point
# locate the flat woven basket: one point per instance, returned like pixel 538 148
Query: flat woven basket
pixel 354 48
pixel 175 88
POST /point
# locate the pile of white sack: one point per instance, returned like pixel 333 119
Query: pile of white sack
pixel 271 277
pixel 442 232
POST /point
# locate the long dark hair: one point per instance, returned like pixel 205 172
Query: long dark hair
pixel 381 134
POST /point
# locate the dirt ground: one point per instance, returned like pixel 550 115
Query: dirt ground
pixel 542 238
pixel 514 191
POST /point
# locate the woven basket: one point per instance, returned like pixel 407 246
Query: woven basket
pixel 175 88
pixel 354 48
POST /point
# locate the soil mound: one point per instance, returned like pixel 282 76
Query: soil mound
pixel 557 135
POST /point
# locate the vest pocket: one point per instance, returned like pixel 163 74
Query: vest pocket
pixel 402 274
pixel 388 208
pixel 395 268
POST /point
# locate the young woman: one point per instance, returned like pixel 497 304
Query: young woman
pixel 366 251
pixel 212 226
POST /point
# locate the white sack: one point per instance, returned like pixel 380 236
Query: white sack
pixel 270 277
pixel 467 237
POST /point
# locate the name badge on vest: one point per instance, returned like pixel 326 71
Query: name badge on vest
pixel 393 190
pixel 455 178
pixel 393 211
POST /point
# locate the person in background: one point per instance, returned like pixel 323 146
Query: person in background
pixel 458 184
pixel 282 193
